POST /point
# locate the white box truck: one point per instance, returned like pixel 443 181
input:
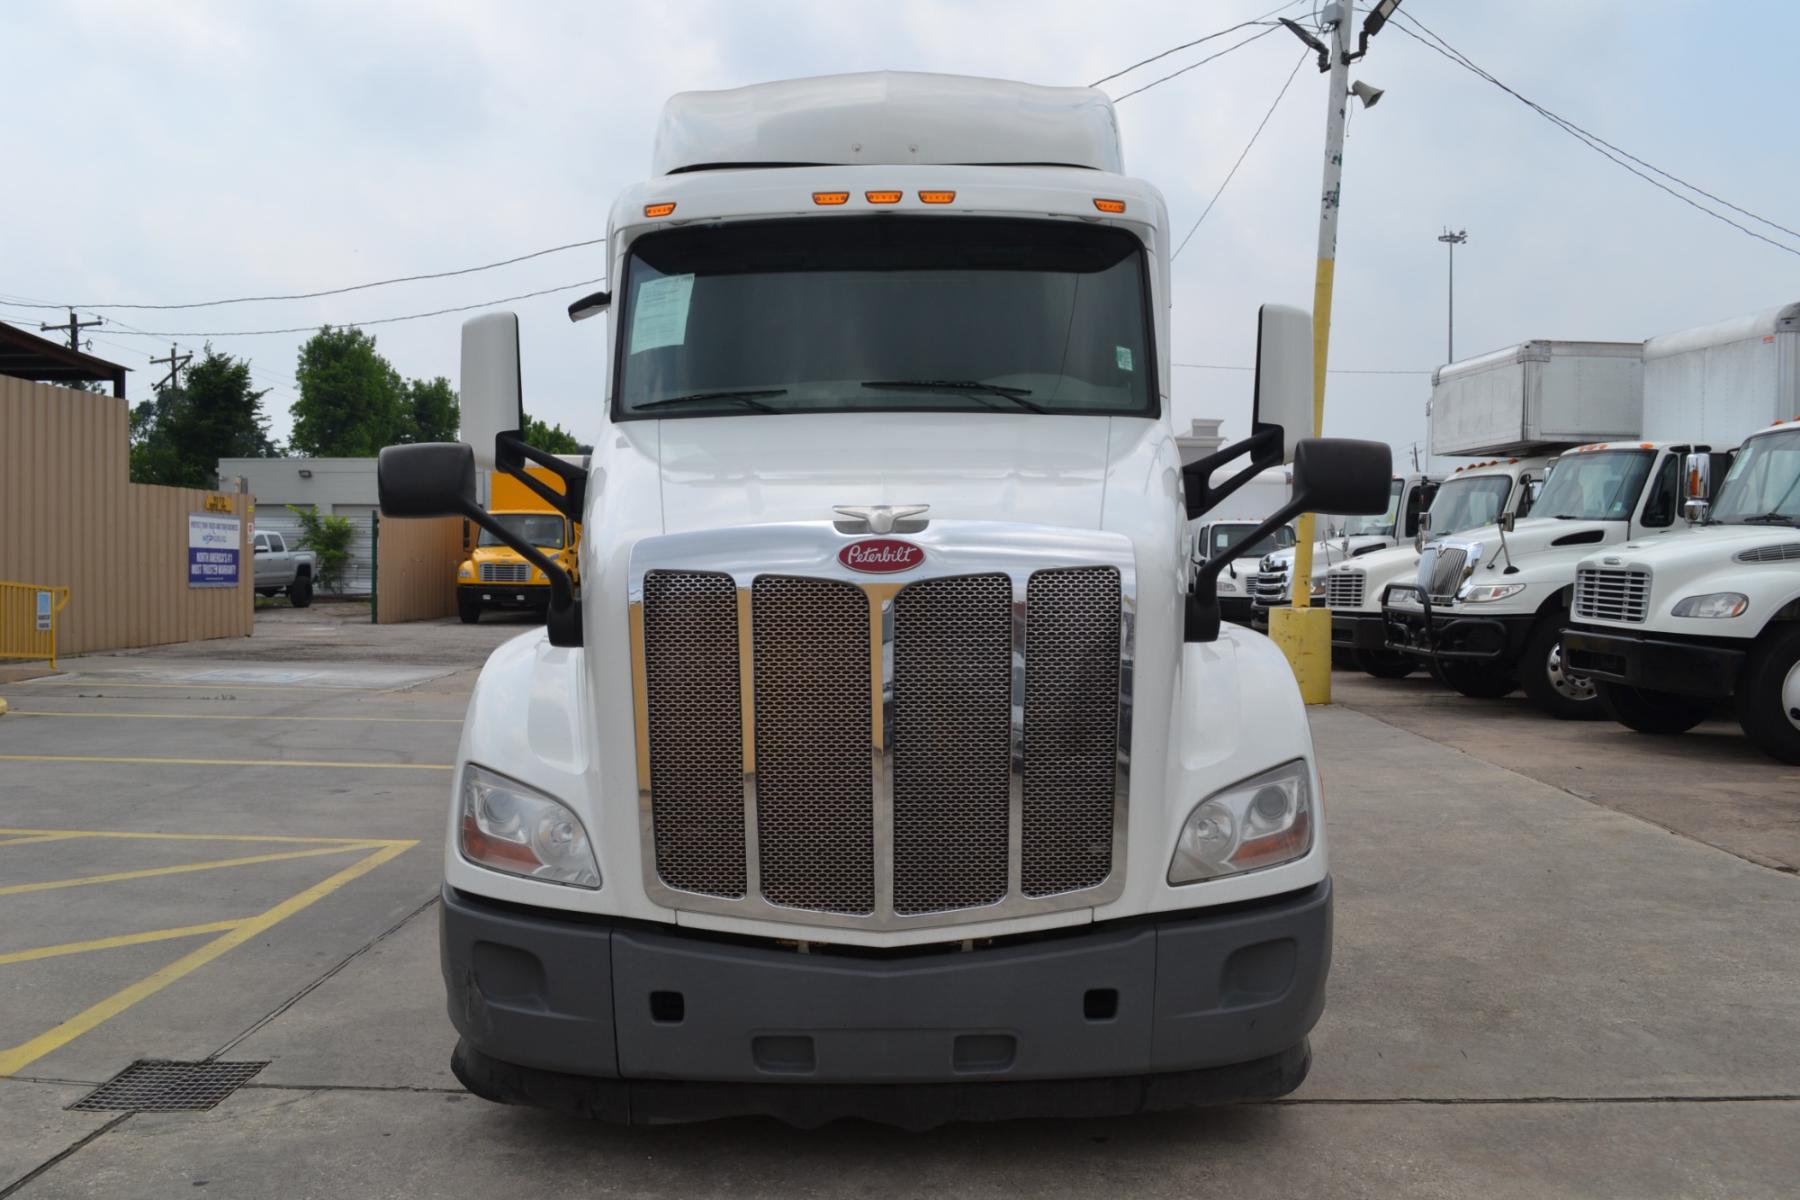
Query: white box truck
pixel 1537 397
pixel 1487 607
pixel 824 795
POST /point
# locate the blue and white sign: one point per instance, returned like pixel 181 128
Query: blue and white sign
pixel 44 600
pixel 212 550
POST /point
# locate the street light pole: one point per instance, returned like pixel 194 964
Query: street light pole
pixel 1451 242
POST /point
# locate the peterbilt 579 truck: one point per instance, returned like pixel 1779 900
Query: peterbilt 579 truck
pixel 892 759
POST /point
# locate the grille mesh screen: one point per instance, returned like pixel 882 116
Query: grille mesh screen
pixel 814 796
pixel 1071 729
pixel 952 730
pixel 696 735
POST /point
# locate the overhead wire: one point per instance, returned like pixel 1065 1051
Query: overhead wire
pixel 1143 62
pixel 1300 62
pixel 1192 66
pixel 1600 146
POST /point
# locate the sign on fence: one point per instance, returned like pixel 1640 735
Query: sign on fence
pixel 43 612
pixel 212 551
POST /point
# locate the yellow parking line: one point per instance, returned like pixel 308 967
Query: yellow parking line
pixel 40 837
pixel 19 712
pixel 23 1055
pixel 19 889
pixel 205 837
pixel 221 762
pixel 110 943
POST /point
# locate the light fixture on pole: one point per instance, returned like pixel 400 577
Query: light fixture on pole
pixel 1451 242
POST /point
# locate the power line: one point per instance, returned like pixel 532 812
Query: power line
pixel 337 291
pixel 1189 45
pixel 1599 145
pixel 1217 54
pixel 1298 63
pixel 436 312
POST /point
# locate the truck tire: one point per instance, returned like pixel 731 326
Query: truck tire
pixel 300 591
pixel 467 611
pixel 1476 680
pixel 1768 694
pixel 1386 664
pixel 1564 696
pixel 1649 711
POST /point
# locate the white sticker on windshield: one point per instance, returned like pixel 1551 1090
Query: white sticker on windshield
pixel 1123 354
pixel 659 312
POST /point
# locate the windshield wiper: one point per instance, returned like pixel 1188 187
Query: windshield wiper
pixel 1014 394
pixel 1768 518
pixel 748 397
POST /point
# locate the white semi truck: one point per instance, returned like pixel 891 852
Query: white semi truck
pixel 1487 607
pixel 1214 538
pixel 1349 537
pixel 1473 495
pixel 892 759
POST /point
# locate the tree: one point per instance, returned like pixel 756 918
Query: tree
pixel 352 401
pixel 328 537
pixel 179 436
pixel 431 411
pixel 553 438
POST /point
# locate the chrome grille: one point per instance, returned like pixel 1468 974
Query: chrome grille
pixel 815 823
pixel 1071 730
pixel 505 572
pixel 952 742
pixel 1604 594
pixel 1344 589
pixel 1441 571
pixel 1270 588
pixel 691 674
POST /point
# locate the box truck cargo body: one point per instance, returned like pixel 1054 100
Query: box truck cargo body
pixel 1536 396
pixel 1718 383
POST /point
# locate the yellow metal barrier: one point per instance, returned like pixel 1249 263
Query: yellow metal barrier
pixel 28 620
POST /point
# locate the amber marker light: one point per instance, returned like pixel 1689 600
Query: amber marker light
pixel 937 197
pixel 1110 206
pixel 882 197
pixel 829 198
pixel 659 210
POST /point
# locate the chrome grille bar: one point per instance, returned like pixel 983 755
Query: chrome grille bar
pixel 1605 594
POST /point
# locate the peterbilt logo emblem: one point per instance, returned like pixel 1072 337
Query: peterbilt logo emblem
pixel 881 556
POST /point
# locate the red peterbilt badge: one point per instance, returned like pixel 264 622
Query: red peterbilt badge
pixel 881 556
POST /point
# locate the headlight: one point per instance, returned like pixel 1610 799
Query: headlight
pixel 466 571
pixel 1714 604
pixel 509 827
pixel 1317 588
pixel 1261 822
pixel 1481 593
pixel 1226 585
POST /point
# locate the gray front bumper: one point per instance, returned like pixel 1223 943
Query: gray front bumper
pixel 629 1021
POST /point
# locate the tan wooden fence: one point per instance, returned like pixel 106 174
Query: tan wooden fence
pixel 71 517
pixel 415 568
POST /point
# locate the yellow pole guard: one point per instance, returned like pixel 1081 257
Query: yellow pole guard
pixel 1303 632
pixel 20 633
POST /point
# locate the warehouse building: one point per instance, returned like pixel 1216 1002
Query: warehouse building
pixel 342 487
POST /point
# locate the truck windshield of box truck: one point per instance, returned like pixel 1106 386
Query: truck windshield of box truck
pixel 1596 486
pixel 1378 526
pixel 545 532
pixel 886 313
pixel 1469 503
pixel 1763 485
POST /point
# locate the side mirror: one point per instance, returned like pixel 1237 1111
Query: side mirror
pixel 1697 490
pixel 590 306
pixel 1507 521
pixel 426 479
pixel 1424 531
pixel 490 382
pixel 1283 399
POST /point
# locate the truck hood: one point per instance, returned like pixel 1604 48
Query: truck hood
pixel 1694 548
pixel 1330 553
pixel 723 471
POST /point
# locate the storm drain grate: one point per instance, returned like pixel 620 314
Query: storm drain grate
pixel 159 1085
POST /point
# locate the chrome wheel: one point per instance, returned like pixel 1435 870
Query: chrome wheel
pixel 1790 696
pixel 1572 687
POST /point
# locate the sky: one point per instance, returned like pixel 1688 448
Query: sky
pixel 191 150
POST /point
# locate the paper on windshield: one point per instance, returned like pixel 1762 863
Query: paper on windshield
pixel 659 312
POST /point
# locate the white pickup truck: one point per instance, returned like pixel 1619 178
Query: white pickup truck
pixel 280 569
pixel 1667 627
pixel 824 796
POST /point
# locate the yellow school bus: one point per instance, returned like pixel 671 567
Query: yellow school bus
pixel 495 577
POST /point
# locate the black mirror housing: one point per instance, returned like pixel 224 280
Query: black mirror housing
pixel 427 479
pixel 1343 475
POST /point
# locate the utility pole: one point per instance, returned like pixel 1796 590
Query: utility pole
pixel 1451 242
pixel 1303 632
pixel 73 328
pixel 176 361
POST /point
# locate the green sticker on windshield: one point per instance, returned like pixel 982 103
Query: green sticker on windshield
pixel 1123 354
pixel 659 312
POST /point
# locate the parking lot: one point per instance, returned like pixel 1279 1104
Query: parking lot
pixel 1564 965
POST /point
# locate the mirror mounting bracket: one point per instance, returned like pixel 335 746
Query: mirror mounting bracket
pixel 1265 450
pixel 511 451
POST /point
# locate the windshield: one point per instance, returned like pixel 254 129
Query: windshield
pixel 1764 481
pixel 1222 536
pixel 1468 503
pixel 858 314
pixel 1381 526
pixel 1599 486
pixel 543 531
